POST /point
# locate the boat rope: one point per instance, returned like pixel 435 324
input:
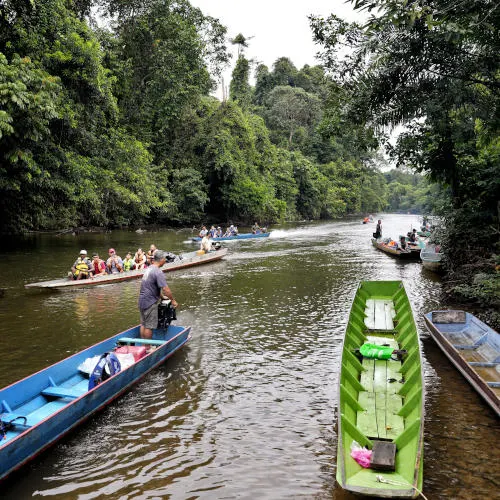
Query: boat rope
pixel 382 479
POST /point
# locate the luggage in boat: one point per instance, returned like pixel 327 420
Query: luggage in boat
pixel 139 351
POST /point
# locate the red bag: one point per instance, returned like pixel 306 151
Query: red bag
pixel 138 351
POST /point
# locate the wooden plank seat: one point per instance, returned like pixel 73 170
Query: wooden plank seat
pixel 130 340
pixel 62 392
pixel 379 314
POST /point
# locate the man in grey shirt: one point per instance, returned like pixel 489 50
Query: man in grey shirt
pixel 153 288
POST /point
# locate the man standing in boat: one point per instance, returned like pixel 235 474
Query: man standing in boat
pixel 378 230
pixel 153 288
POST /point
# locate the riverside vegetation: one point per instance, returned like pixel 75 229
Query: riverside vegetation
pixel 111 123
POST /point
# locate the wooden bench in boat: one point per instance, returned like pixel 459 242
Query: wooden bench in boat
pixel 379 314
pixel 131 340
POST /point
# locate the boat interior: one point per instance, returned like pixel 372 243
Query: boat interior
pixel 36 398
pixel 381 400
pixel 476 343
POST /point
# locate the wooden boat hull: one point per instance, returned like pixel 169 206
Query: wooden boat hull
pixel 188 260
pixel 431 259
pixel 395 252
pixel 432 265
pixel 246 236
pixel 49 418
pixel 473 347
pixel 381 400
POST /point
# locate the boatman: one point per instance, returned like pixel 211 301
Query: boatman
pixel 153 288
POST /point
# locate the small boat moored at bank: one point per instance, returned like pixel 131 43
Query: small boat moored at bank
pixel 183 261
pixel 38 410
pixel 244 236
pixel 391 247
pixel 431 258
pixel 473 347
pixel 381 396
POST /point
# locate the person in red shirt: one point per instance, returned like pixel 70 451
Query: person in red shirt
pixel 98 265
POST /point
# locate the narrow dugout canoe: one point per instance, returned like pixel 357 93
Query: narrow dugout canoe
pixel 187 260
pixel 245 236
pixel 395 251
pixel 40 409
pixel 473 347
pixel 381 402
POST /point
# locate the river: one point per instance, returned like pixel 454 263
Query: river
pixel 247 408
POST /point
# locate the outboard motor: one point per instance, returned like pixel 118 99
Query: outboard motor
pixel 166 314
pixel 170 257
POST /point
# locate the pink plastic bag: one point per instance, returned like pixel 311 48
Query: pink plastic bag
pixel 361 455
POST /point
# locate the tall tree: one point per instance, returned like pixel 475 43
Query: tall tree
pixel 291 109
pixel 239 88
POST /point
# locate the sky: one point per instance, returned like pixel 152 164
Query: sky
pixel 279 28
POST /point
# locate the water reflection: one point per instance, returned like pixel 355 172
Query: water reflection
pixel 247 409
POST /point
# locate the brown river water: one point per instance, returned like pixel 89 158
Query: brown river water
pixel 248 408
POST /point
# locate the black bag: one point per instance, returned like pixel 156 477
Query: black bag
pixel 166 314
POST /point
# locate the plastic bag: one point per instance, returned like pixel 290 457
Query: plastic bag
pixel 88 365
pixel 125 360
pixel 361 455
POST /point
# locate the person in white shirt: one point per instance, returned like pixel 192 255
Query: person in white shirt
pixel 206 243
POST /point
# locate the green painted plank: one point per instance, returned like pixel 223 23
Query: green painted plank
pixel 379 340
pixel 389 314
pixel 393 372
pixel 380 315
pixel 370 314
pixel 366 378
pixel 394 425
pixel 367 420
pixel 380 376
pixel 380 410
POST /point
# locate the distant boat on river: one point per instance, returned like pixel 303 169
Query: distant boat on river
pixel 244 236
pixel 40 409
pixel 185 260
pixel 381 396
pixel 385 246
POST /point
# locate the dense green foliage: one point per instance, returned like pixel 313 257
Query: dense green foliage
pixel 114 125
pixel 432 66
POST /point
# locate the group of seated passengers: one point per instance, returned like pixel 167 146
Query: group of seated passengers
pixel 217 233
pixel 84 267
pixel 256 229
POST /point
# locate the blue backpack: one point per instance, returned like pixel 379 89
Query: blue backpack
pixel 99 373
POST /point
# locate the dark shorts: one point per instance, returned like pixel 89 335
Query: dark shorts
pixel 149 317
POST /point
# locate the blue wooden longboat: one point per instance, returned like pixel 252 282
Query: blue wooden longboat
pixel 473 347
pixel 41 408
pixel 245 236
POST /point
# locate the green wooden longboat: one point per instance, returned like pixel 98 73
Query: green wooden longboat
pixel 381 401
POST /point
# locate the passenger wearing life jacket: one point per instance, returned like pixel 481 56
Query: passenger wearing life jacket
pixel 82 268
pixel 128 262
